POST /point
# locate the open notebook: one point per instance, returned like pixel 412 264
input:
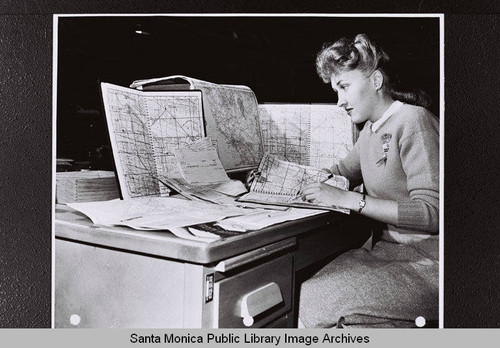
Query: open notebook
pixel 279 182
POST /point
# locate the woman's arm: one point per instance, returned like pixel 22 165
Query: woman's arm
pixel 420 161
pixel 383 210
pixel 349 167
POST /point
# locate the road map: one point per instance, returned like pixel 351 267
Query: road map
pixel 280 182
pixel 317 135
pixel 232 118
pixel 144 129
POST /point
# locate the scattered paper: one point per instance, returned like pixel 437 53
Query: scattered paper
pixel 261 219
pixel 156 213
pixel 231 188
pixel 200 166
pixel 203 234
pixel 185 233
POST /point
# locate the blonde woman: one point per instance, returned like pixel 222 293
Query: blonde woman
pixel 397 159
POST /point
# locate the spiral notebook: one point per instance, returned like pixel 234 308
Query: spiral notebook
pixel 279 182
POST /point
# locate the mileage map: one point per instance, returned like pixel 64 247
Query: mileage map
pixel 144 129
pixel 317 135
pixel 232 118
pixel 280 182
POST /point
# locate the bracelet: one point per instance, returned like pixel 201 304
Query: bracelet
pixel 362 203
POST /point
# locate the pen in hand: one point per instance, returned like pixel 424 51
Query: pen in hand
pixel 321 182
pixel 327 178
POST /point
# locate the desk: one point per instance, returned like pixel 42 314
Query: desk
pixel 119 277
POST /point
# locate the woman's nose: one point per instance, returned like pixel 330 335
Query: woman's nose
pixel 341 101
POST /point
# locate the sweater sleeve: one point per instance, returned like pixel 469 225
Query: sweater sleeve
pixel 350 166
pixel 420 159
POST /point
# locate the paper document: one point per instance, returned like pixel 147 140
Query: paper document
pixel 280 182
pixel 202 175
pixel 263 219
pixel 144 129
pixel 223 193
pixel 156 213
pixel 200 166
pixel 231 113
pixel 317 135
pixel 187 233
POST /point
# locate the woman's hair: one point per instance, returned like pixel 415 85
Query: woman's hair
pixel 362 54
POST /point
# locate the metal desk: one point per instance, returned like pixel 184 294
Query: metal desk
pixel 120 277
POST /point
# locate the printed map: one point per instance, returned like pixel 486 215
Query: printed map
pixel 144 128
pixel 232 117
pixel 288 178
pixel 317 135
pixel 280 182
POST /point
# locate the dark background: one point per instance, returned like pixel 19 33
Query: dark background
pixel 471 238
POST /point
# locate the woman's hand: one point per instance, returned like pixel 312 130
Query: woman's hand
pixel 324 194
pixel 383 210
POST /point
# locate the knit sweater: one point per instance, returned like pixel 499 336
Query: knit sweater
pixel 408 173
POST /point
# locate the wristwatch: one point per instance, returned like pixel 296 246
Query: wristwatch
pixel 362 203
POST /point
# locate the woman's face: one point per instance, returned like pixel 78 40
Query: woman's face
pixel 356 93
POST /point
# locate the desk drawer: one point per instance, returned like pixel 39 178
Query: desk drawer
pixel 255 297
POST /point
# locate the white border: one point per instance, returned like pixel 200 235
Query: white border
pixel 307 15
pixel 340 15
pixel 441 172
pixel 54 162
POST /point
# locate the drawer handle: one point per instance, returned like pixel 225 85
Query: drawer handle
pixel 243 259
pixel 259 301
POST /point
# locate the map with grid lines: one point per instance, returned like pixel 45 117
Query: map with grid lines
pixel 144 129
pixel 279 182
pixel 317 135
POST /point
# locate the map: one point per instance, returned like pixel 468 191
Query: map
pixel 231 114
pixel 144 129
pixel 317 135
pixel 280 182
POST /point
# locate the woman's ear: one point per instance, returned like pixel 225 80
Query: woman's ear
pixel 377 79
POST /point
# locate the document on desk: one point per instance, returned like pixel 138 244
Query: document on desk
pixel 231 115
pixel 156 213
pixel 144 128
pixel 261 219
pixel 200 166
pixel 202 175
pixel 280 182
pixel 223 193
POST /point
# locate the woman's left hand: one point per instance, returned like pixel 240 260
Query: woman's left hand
pixel 323 193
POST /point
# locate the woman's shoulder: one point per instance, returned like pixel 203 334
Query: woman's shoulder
pixel 416 117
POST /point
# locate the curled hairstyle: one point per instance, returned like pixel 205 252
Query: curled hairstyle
pixel 362 54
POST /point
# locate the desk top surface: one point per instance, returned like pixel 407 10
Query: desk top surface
pixel 73 225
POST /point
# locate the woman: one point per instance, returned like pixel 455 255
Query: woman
pixel 397 159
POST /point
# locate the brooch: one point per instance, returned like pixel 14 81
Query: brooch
pixel 386 139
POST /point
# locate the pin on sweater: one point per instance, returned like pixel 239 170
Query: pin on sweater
pixel 386 139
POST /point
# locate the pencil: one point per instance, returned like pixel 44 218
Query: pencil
pixel 327 178
pixel 299 193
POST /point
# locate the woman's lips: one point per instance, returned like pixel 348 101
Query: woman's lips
pixel 348 110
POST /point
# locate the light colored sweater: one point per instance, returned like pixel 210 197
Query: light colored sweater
pixel 409 175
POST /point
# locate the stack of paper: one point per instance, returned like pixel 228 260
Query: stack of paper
pixel 202 174
pixel 86 186
pixel 156 213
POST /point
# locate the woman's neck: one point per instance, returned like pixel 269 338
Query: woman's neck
pixel 381 107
